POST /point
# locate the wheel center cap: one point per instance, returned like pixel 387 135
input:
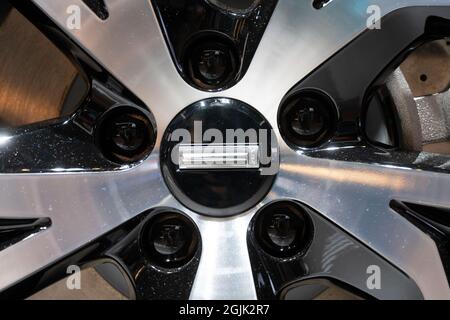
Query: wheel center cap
pixel 219 157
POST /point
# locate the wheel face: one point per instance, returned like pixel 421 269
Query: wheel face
pixel 365 207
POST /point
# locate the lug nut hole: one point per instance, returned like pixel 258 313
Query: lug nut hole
pixel 169 239
pixel 210 61
pixel 125 134
pixel 308 119
pixel 283 229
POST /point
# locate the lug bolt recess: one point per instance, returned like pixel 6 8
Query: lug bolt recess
pixel 308 119
pixel 283 229
pixel 210 62
pixel 125 134
pixel 170 240
pixel 128 132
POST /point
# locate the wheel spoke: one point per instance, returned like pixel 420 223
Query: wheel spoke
pixel 356 197
pixel 130 45
pixel 81 207
pixel 224 271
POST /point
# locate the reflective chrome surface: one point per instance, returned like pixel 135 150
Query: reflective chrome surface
pixel 218 156
pixel 298 39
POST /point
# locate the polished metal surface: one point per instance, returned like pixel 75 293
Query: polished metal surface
pixel 218 156
pixel 297 40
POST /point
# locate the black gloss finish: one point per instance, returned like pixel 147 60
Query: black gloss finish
pixel 432 220
pixel 15 230
pixel 283 229
pixel 122 246
pixel 308 119
pixel 352 76
pixel 240 7
pixel 211 61
pixel 152 281
pixel 332 254
pixel 216 192
pixel 169 239
pixel 240 23
pixel 68 143
pixel 99 7
pixel 125 134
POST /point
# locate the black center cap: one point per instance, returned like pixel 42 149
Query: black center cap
pixel 219 157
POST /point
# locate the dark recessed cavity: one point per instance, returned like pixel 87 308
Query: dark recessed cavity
pixel 211 61
pixel 307 118
pixel 125 134
pixel 169 239
pixel 283 229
